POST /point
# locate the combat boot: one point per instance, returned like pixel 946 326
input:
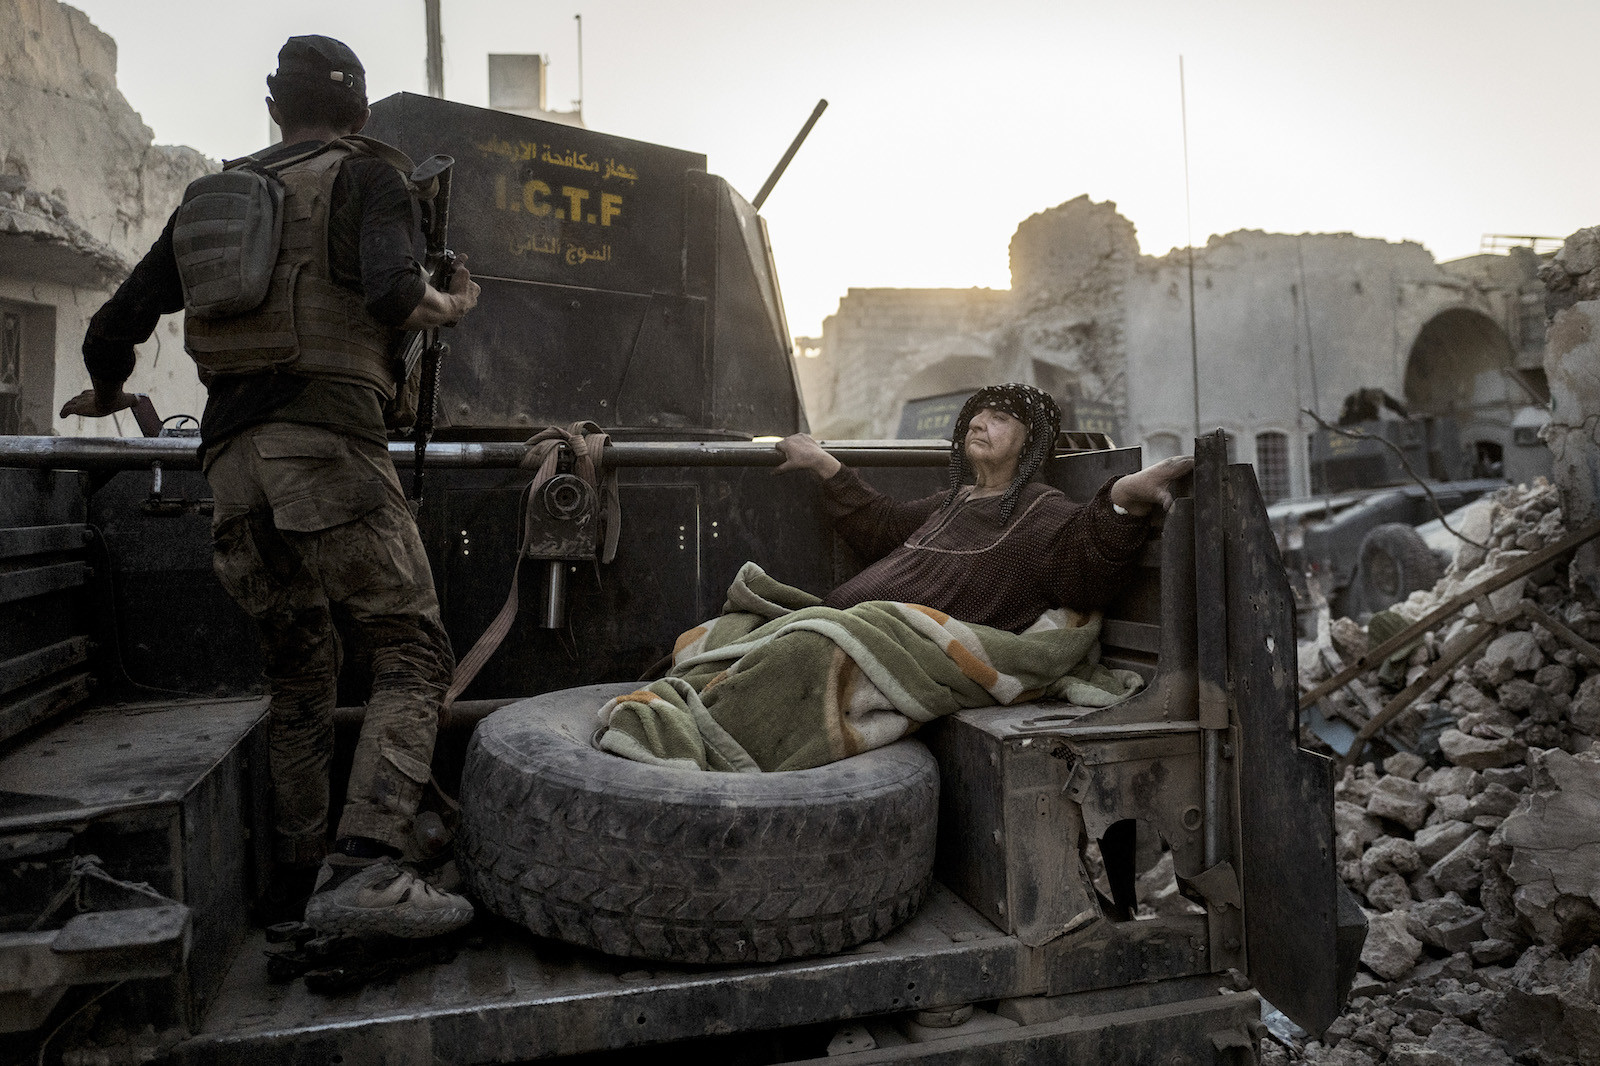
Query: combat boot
pixel 381 897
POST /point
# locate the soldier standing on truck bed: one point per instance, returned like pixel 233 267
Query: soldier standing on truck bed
pixel 309 513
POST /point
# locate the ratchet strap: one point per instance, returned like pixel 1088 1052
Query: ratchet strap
pixel 586 441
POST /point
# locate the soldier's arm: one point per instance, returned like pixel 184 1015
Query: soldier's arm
pixel 393 285
pixel 125 320
pixel 443 308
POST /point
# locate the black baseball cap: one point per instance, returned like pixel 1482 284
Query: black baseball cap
pixel 319 58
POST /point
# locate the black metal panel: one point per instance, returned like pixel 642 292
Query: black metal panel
pixel 753 367
pixel 684 535
pixel 533 355
pixel 166 794
pixel 38 540
pixel 1081 474
pixel 44 620
pixel 971 855
pixel 1212 579
pixel 166 623
pixel 518 180
pixel 621 282
pixel 40 497
pixel 42 662
pixel 664 380
pixel 1285 792
pixel 41 580
pixel 227 820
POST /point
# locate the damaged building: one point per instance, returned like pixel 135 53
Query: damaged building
pixel 1282 323
pixel 83 192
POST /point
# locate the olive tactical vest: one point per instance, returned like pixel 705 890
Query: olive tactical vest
pixel 307 325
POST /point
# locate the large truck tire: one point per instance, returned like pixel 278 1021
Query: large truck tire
pixel 584 846
pixel 1395 562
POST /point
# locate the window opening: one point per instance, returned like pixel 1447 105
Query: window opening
pixel 10 371
pixel 1489 459
pixel 1272 465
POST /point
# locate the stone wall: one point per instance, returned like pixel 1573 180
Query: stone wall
pixel 66 130
pixel 885 346
pixel 1572 365
pixel 1070 267
pixel 84 191
pixel 1284 322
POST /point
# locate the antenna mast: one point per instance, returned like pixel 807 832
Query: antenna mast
pixel 435 49
pixel 1188 210
pixel 578 103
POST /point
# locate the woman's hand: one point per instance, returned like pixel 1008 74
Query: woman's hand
pixel 1141 493
pixel 801 451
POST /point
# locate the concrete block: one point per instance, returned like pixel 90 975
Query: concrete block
pixel 1547 1010
pixel 1496 800
pixel 1477 753
pixel 1404 764
pixel 1457 780
pixel 1522 696
pixel 1434 842
pixel 1516 649
pixel 1467 698
pixel 1460 870
pixel 1390 950
pixel 1556 679
pixel 1456 936
pixel 1387 856
pixel 1451 808
pixel 1410 1054
pixel 1584 712
pixel 1352 818
pixel 1555 849
pixel 1465 1046
pixel 1494 950
pixel 1400 800
pixel 1513 777
pixel 1389 893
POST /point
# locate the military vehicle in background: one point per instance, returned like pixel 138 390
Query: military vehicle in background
pixel 625 284
pixel 1355 536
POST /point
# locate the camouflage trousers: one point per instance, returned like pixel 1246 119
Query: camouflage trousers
pixel 311 525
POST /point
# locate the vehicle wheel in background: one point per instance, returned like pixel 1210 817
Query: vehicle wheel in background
pixel 1395 562
pixel 683 866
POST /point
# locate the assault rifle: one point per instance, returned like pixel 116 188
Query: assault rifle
pixel 425 346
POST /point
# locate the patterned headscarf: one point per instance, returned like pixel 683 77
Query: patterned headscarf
pixel 1028 405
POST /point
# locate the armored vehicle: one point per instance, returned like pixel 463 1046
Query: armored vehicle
pixel 1120 885
pixel 1355 535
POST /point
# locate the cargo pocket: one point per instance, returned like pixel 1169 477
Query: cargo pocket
pixel 312 480
pixel 252 563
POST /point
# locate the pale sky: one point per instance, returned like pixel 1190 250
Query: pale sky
pixel 949 123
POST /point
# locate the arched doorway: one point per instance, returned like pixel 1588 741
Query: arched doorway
pixel 1461 370
pixel 931 398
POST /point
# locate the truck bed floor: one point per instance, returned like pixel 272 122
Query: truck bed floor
pixel 518 997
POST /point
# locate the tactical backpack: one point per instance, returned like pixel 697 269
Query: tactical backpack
pixel 226 235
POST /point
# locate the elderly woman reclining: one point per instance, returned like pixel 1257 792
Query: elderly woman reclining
pixel 975 596
pixel 1006 549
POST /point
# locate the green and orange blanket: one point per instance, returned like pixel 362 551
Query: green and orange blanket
pixel 779 682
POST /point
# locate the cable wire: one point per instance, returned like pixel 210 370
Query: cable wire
pixel 1356 434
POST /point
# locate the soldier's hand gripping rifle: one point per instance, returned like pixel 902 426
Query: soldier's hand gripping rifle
pixel 440 264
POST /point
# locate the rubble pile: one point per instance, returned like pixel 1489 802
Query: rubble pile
pixel 1476 853
pixel 1573 273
